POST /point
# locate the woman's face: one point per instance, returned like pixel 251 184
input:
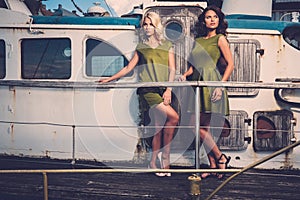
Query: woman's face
pixel 148 27
pixel 211 19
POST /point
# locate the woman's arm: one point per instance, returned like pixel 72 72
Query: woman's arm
pixel 172 67
pixel 131 65
pixel 172 70
pixel 224 46
pixel 186 74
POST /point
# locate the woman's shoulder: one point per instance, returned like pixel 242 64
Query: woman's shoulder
pixel 222 38
pixel 198 38
pixel 167 43
pixel 141 46
pixel 219 35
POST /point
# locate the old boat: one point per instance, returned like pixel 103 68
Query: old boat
pixel 51 105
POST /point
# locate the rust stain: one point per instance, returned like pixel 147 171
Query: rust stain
pixel 11 131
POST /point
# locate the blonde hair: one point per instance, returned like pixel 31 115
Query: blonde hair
pixel 156 21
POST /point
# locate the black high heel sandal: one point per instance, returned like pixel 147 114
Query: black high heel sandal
pixel 218 175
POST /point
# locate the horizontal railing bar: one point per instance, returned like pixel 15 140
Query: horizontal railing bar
pixel 145 127
pixel 124 170
pixel 97 85
pixel 90 125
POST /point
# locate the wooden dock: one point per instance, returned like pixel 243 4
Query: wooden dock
pixel 253 184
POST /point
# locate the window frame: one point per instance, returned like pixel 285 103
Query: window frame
pixel 3 67
pixel 88 58
pixel 67 71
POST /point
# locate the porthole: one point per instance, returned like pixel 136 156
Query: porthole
pixel 174 30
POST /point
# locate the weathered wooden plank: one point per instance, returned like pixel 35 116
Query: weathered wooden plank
pixel 254 184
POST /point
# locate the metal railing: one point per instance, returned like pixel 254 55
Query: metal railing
pixel 236 171
pixel 196 84
pixel 283 84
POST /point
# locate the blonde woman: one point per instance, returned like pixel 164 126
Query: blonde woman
pixel 155 60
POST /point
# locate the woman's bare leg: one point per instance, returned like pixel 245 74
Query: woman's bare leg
pixel 209 143
pixel 156 144
pixel 216 158
pixel 172 119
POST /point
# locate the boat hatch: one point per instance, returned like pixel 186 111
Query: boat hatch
pixel 246 69
pixel 2 59
pixel 272 130
pixel 234 135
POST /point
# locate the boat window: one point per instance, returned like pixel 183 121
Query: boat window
pixel 47 58
pixel 292 36
pixel 3 4
pixel 2 59
pixel 174 30
pixel 272 130
pixel 102 59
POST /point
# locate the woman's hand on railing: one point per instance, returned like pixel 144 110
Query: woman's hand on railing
pixel 106 80
pixel 182 78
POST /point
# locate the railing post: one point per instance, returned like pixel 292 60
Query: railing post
pixel 73 145
pixel 197 127
pixel 45 185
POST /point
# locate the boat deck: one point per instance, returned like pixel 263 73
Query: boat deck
pixel 253 184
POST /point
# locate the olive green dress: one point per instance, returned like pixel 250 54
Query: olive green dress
pixel 153 66
pixel 203 58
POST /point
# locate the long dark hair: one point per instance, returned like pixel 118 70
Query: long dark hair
pixel 223 25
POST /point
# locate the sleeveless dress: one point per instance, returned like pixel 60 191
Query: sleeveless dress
pixel 153 66
pixel 204 57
